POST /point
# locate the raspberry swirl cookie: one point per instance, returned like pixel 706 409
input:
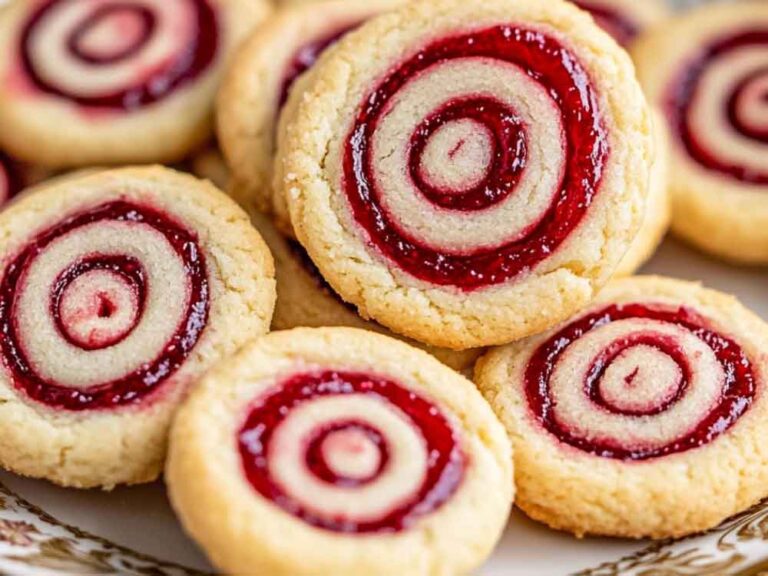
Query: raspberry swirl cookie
pixel 646 415
pixel 339 451
pixel 468 173
pixel 625 19
pixel 263 73
pixel 114 81
pixel 708 70
pixel 117 291
pixel 306 299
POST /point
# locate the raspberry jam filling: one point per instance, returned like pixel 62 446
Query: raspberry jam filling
pixel 544 60
pixel 750 90
pixel 95 303
pixel 121 55
pixel 616 23
pixel 307 55
pixel 646 381
pixel 319 444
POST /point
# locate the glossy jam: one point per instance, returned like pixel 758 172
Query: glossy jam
pixel 555 67
pixel 307 55
pixel 131 388
pixel 683 90
pixel 618 25
pixel 445 467
pixel 158 83
pixel 738 391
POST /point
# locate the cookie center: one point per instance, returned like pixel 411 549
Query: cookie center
pixel 457 156
pixel 99 308
pixel 352 453
pixel 112 33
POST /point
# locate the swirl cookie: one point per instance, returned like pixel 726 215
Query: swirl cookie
pixel 707 71
pixel 658 210
pixel 483 172
pixel 306 299
pixel 339 451
pixel 114 81
pixel 625 19
pixel 644 416
pixel 261 76
pixel 208 163
pixel 117 291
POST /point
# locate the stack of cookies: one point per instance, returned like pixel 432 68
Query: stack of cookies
pixel 437 207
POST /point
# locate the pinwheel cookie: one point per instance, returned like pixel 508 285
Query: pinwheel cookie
pixel 261 76
pixel 646 415
pixel 306 299
pixel 339 451
pixel 707 70
pixel 117 291
pixel 468 173
pixel 625 19
pixel 114 81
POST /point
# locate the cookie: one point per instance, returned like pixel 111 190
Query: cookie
pixel 84 83
pixel 339 451
pixel 707 71
pixel 306 299
pixel 625 19
pixel 644 416
pixel 468 173
pixel 117 291
pixel 261 77
pixel 658 210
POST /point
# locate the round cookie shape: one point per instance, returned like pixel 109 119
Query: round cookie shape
pixel 623 416
pixel 207 162
pixel 707 71
pixel 117 291
pixel 261 76
pixel 339 451
pixel 625 19
pixel 658 209
pixel 84 83
pixel 306 300
pixel 473 177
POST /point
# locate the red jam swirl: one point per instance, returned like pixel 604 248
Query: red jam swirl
pixel 684 89
pixel 445 465
pixel 156 83
pixel 557 69
pixel 131 388
pixel 737 393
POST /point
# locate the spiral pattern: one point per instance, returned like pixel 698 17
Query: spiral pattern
pixel 100 310
pixel 10 179
pixel 477 192
pixel 725 89
pixel 118 54
pixel 350 452
pixel 639 381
